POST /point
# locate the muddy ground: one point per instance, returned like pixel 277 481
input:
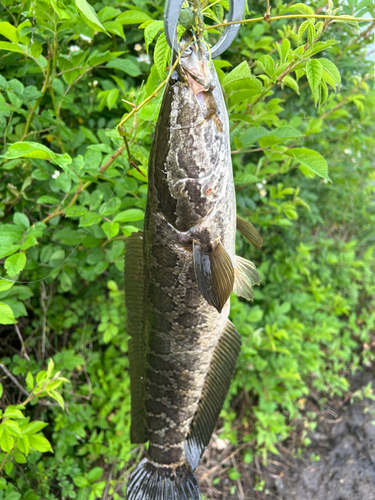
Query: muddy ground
pixel 344 440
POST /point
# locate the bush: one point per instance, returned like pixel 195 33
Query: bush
pixel 70 196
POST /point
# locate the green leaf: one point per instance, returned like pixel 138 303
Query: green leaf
pixel 133 17
pixel 30 381
pixel 238 73
pixel 81 481
pixel 15 263
pixel 6 315
pixel 310 159
pixel 13 428
pixel 115 28
pixel 111 229
pixel 20 458
pixel 89 15
pixel 11 47
pixel 331 69
pixel 252 135
pixel 39 443
pixel 95 474
pixel 290 82
pixel 89 220
pixel 48 200
pixel 131 214
pixel 266 64
pixel 6 250
pixel 151 31
pixel 9 32
pixel 314 72
pixel 17 307
pixel 34 427
pixel 302 29
pixel 75 211
pixel 302 9
pixel 129 66
pixel 6 440
pixel 21 220
pixel 35 150
pixel 162 54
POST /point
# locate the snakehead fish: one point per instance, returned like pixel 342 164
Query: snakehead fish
pixel 179 273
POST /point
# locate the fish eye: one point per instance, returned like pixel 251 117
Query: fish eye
pixel 187 52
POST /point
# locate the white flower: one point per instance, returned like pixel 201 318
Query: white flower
pixel 259 185
pixel 74 48
pixel 85 38
pixel 144 58
pixel 137 47
pixel 55 174
pixel 262 192
pixel 95 83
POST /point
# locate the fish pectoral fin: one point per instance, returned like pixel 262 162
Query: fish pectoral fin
pixel 246 276
pixel 251 234
pixel 214 392
pixel 214 274
pixel 134 301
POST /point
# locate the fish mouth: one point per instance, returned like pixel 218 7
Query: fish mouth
pixel 195 66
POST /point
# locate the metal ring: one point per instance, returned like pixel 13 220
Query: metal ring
pixel 172 13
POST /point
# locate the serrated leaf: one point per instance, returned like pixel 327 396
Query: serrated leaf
pixel 314 72
pixel 115 28
pixel 323 93
pixel 15 263
pixel 162 54
pixel 151 31
pixel 302 29
pixel 310 159
pixel 88 14
pixel 331 69
pixel 238 73
pixel 302 9
pixel 9 31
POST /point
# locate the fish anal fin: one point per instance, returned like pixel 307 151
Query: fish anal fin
pixel 246 276
pixel 214 392
pixel 214 274
pixel 251 234
pixel 134 301
pixel 152 482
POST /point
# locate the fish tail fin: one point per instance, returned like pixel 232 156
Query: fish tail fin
pixel 159 482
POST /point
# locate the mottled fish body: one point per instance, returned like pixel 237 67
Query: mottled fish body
pixel 179 273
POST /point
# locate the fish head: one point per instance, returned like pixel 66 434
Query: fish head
pixel 194 65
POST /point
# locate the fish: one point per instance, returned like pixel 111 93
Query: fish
pixel 179 273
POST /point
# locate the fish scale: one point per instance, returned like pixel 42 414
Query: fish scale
pixel 183 349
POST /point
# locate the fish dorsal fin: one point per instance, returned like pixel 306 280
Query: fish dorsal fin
pixel 214 273
pixel 246 276
pixel 214 392
pixel 134 301
pixel 251 234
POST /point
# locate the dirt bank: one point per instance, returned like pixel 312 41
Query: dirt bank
pixel 345 471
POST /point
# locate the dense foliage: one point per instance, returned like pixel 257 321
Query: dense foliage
pixel 301 109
